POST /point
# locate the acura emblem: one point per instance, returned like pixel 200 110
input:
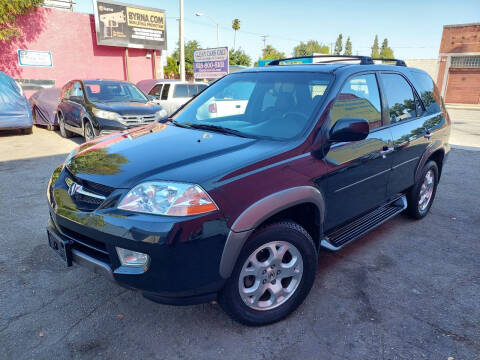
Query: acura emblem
pixel 73 188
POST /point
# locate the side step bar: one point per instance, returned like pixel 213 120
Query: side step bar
pixel 338 238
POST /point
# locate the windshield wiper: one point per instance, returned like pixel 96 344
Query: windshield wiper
pixel 215 128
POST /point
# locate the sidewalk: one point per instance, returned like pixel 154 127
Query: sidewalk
pixel 463 106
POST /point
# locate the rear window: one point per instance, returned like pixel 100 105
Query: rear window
pixel 187 90
pixel 428 92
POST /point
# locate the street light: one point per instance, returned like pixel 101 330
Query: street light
pixel 213 20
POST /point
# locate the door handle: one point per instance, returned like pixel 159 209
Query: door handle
pixel 386 150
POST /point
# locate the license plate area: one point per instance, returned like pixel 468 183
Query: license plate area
pixel 61 247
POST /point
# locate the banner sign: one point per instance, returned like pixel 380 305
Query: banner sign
pixel 34 58
pixel 210 63
pixel 124 25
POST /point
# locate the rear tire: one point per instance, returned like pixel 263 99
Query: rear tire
pixel 420 197
pixel 279 283
pixel 64 132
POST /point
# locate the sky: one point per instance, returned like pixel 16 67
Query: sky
pixel 413 27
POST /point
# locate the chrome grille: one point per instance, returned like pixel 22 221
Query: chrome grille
pixel 134 120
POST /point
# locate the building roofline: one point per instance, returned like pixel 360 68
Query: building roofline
pixel 462 25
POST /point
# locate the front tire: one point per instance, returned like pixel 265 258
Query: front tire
pixel 88 132
pixel 420 197
pixel 273 275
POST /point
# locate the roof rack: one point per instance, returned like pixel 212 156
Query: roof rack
pixel 398 62
pixel 364 60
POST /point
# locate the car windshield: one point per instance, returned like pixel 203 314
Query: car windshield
pixel 109 91
pixel 274 105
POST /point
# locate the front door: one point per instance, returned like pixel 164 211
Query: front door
pixel 357 180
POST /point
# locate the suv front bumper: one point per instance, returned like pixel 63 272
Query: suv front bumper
pixel 184 253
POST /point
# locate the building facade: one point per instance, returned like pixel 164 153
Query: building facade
pixel 459 64
pixel 69 39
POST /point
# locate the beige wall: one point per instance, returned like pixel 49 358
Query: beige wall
pixel 428 65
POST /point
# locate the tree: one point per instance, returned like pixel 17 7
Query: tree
pixel 171 70
pixel 190 47
pixel 348 47
pixel 310 47
pixel 270 53
pixel 10 10
pixel 375 48
pixel 338 45
pixel 239 57
pixel 386 52
pixel 235 27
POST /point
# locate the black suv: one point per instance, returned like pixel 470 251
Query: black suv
pixel 235 205
pixel 99 107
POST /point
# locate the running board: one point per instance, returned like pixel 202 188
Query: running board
pixel 340 237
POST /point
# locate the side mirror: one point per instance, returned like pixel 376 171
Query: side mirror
pixel 349 129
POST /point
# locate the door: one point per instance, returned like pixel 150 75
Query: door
pixel 77 101
pixel 65 106
pixel 357 180
pixel 409 134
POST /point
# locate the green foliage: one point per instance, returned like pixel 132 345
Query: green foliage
pixel 10 10
pixel 172 67
pixel 239 57
pixel 270 53
pixel 338 45
pixel 310 47
pixel 235 27
pixel 386 52
pixel 375 48
pixel 190 47
pixel 348 47
pixel 236 24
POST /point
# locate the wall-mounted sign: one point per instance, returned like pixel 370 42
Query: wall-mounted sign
pixel 34 58
pixel 119 24
pixel 210 63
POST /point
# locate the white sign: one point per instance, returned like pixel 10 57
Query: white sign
pixel 35 58
pixel 210 63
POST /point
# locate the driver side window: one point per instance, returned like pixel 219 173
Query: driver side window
pixel 359 98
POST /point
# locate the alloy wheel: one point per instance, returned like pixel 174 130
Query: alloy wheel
pixel 270 275
pixel 426 190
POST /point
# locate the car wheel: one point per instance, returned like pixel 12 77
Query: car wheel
pixel 272 276
pixel 64 132
pixel 420 196
pixel 27 131
pixel 88 132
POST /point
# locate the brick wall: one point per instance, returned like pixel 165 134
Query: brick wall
pixel 460 38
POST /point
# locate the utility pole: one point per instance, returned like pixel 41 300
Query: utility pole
pixel 182 45
pixel 264 37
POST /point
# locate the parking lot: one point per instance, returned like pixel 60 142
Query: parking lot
pixel 408 290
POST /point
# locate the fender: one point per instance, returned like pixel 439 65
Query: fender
pixel 433 147
pixel 260 211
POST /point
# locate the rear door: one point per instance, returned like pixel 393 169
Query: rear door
pixel 64 105
pixel 357 180
pixel 410 136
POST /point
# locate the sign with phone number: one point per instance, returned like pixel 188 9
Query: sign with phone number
pixel 210 63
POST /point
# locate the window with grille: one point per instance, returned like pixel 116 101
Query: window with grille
pixel 466 62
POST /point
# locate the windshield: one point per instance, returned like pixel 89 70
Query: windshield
pixel 110 91
pixel 275 105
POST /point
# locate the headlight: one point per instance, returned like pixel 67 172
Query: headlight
pixel 104 114
pixel 168 198
pixel 161 114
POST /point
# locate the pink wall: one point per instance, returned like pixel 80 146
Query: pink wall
pixel 71 39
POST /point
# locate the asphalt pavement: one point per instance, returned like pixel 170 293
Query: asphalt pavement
pixel 408 290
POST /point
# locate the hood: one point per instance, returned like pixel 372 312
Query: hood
pixel 129 108
pixel 163 152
